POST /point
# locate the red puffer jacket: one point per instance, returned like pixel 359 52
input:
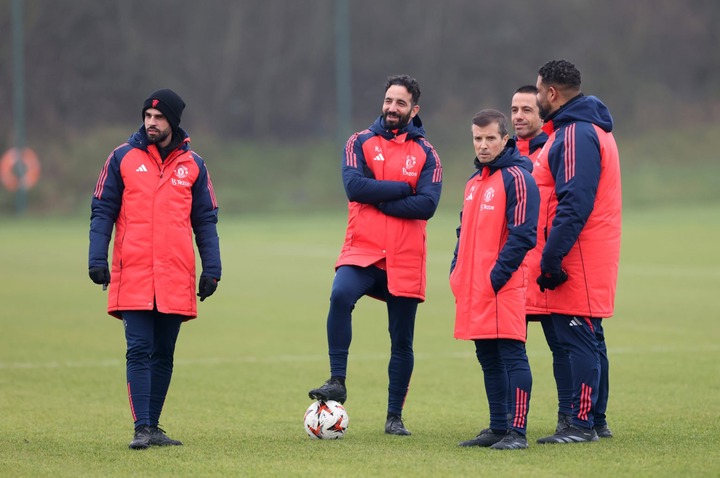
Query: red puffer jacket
pixel 154 206
pixel 578 174
pixel 393 180
pixel 498 227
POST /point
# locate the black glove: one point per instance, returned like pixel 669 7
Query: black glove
pixel 550 280
pixel 207 287
pixel 99 275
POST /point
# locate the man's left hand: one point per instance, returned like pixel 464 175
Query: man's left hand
pixel 207 287
pixel 551 280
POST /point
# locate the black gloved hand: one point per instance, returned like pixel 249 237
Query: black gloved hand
pixel 207 287
pixel 550 280
pixel 99 275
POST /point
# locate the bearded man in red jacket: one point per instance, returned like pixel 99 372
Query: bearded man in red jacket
pixel 578 247
pixel 155 192
pixel 393 179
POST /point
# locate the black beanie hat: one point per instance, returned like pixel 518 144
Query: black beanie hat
pixel 168 103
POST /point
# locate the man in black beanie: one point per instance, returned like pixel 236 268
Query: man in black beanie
pixel 171 106
pixel 168 103
pixel 164 190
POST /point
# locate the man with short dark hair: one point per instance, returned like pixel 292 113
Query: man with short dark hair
pixel 154 190
pixel 527 124
pixel 577 256
pixel 488 277
pixel 393 179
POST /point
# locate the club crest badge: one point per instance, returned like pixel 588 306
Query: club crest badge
pixel 489 194
pixel 410 162
pixel 182 172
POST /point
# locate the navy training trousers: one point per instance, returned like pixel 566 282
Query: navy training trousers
pixel 151 338
pixel 562 370
pixel 579 336
pixel 349 285
pixel 505 367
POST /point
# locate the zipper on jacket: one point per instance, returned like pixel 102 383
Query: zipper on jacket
pixel 160 164
pixel 170 158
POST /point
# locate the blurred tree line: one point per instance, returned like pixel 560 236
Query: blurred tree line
pixel 265 70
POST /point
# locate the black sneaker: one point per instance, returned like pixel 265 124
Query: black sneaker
pixel 141 439
pixel 563 422
pixel 571 434
pixel 486 437
pixel 603 431
pixel 330 390
pixel 159 438
pixel 512 441
pixel 394 425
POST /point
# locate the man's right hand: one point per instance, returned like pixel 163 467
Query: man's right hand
pixel 100 275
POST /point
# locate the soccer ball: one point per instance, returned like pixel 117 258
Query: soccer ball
pixel 326 420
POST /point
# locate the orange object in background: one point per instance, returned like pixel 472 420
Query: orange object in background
pixel 10 173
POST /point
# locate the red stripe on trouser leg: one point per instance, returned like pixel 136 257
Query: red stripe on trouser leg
pixel 520 408
pixel 132 408
pixel 585 401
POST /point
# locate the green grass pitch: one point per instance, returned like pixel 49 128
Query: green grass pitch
pixel 244 366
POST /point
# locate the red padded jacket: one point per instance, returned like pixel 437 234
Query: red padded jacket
pixel 393 180
pixel 155 207
pixel 498 227
pixel 578 174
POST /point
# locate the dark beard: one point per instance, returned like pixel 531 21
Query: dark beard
pixel 157 139
pixel 402 121
pixel 544 113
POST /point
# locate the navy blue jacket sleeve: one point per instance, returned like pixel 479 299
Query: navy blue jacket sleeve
pixel 204 218
pixel 521 213
pixel 360 185
pixel 574 161
pixel 424 203
pixel 105 207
